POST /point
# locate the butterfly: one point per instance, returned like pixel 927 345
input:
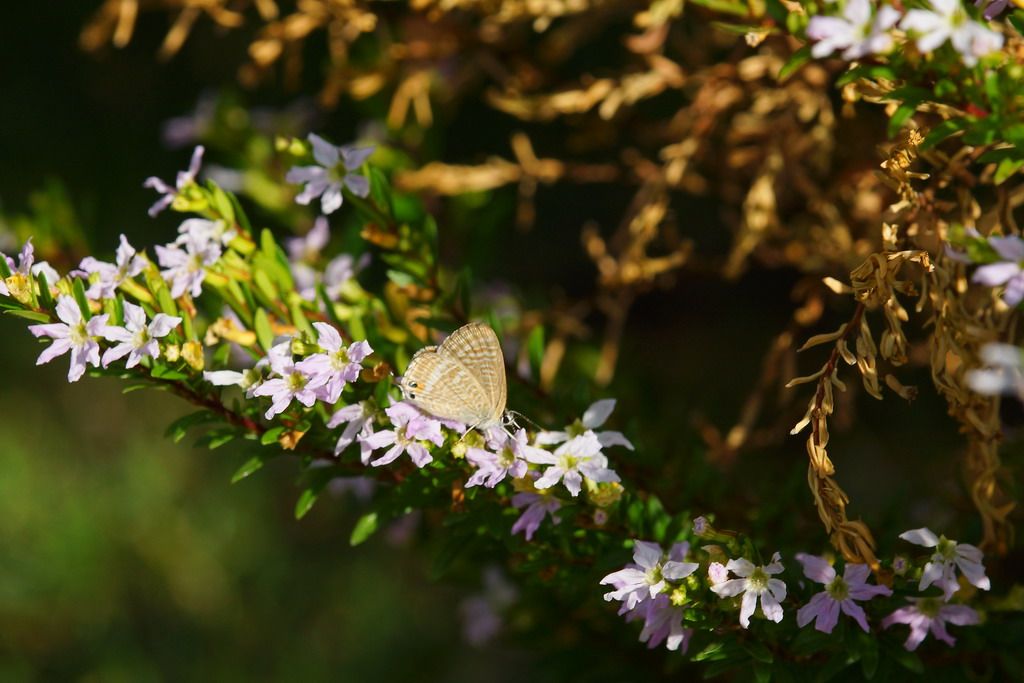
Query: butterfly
pixel 463 379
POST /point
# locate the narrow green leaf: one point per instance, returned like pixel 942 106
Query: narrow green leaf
pixel 535 347
pixel 305 503
pixel 251 465
pixel 167 373
pixel 364 528
pixel 261 326
pixel 271 435
pixel 901 115
pixel 45 298
pixel 5 270
pixel 177 429
pixel 793 64
pixel 78 289
pixel 29 315
pixel 1006 168
pixel 942 131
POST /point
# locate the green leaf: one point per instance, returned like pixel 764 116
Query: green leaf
pixel 1006 168
pixel 221 203
pixel 299 318
pixel 5 270
pixel 271 436
pixel 942 131
pixel 248 467
pixel 400 278
pixel 762 672
pixel 535 347
pixel 1017 20
pixel 793 64
pixel 758 651
pixel 78 289
pixel 364 528
pixel 45 298
pixel 176 430
pixel 899 117
pixel 217 439
pixel 240 216
pixel 29 315
pixel 305 503
pixel 261 326
pixel 168 373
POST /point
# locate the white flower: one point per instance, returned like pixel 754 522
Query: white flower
pixel 185 268
pixel 950 22
pixel 855 32
pixel 647 577
pixel 127 264
pixel 754 582
pixel 359 419
pixel 200 232
pixel 184 179
pixel 949 555
pixel 574 460
pixel 74 334
pixel 1002 374
pixel 336 169
pixel 595 416
pixel 137 339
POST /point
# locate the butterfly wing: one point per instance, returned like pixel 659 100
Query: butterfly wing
pixel 463 379
pixel 477 347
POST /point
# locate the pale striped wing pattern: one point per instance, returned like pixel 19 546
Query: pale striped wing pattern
pixel 463 379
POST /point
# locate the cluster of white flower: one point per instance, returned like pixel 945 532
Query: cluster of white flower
pixel 656 587
pixel 860 30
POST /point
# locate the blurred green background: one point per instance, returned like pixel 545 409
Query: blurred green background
pixel 124 556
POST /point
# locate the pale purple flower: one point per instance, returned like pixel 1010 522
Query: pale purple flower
pixel 754 582
pixel 74 334
pixel 647 576
pixel 951 22
pixel 290 383
pixel 538 504
pixel 200 232
pixel 663 623
pixel 840 593
pixel 506 458
pixel 308 247
pixel 184 179
pixel 109 276
pixel 246 379
pixel 411 428
pixel 1002 374
pixel 336 366
pixel 900 565
pixel 481 613
pixel 358 419
pixel 576 459
pixel 595 416
pixel 948 556
pixel 334 277
pixel 27 266
pixel 336 168
pixel 1006 272
pixel 930 614
pixel 717 573
pixel 137 339
pixel 994 9
pixel 701 525
pixel 856 33
pixel 185 269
